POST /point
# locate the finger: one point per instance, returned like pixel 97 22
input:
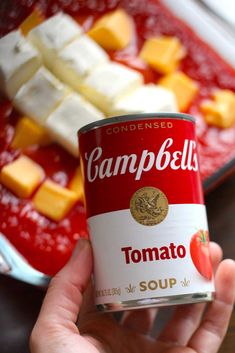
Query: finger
pixel 212 330
pixel 216 255
pixel 186 318
pixel 88 304
pixel 64 297
pixel 140 320
pixel 183 323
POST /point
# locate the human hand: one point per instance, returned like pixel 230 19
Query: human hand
pixel 192 329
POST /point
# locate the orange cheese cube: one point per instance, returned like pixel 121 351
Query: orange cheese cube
pixel 163 53
pixel 53 200
pixel 22 176
pixel 221 110
pixel 33 20
pixel 29 133
pixel 184 88
pixel 112 31
pixel 76 184
pixel 211 114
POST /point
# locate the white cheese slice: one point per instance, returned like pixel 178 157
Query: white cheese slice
pixel 77 59
pixel 39 96
pixel 108 83
pixel 53 35
pixel 19 60
pixel 146 99
pixel 72 114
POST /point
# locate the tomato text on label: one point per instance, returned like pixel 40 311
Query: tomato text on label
pixel 153 254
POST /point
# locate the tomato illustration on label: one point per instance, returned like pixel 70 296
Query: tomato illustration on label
pixel 200 253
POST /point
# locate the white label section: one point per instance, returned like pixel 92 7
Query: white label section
pixel 134 273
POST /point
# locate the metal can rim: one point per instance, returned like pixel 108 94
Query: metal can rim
pixel 134 117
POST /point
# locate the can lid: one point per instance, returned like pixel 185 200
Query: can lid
pixel 133 117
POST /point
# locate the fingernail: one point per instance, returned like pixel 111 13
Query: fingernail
pixel 80 246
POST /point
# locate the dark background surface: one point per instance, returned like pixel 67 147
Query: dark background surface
pixel 20 303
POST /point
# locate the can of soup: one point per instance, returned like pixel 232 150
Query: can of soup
pixel 145 209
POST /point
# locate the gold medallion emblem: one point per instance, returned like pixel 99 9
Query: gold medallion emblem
pixel 149 206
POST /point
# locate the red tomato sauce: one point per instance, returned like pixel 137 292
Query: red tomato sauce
pixel 45 244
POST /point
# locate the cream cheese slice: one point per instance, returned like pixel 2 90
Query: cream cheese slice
pixel 39 96
pixel 108 83
pixel 72 114
pixel 53 35
pixel 19 60
pixel 77 60
pixel 146 99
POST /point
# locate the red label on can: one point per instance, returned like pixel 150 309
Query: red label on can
pixel 120 158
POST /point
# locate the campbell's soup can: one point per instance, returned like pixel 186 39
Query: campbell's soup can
pixel 146 213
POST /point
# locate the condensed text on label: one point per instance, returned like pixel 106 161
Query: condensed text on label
pixel 140 126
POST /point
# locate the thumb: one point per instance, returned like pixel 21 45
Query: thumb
pixel 63 300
